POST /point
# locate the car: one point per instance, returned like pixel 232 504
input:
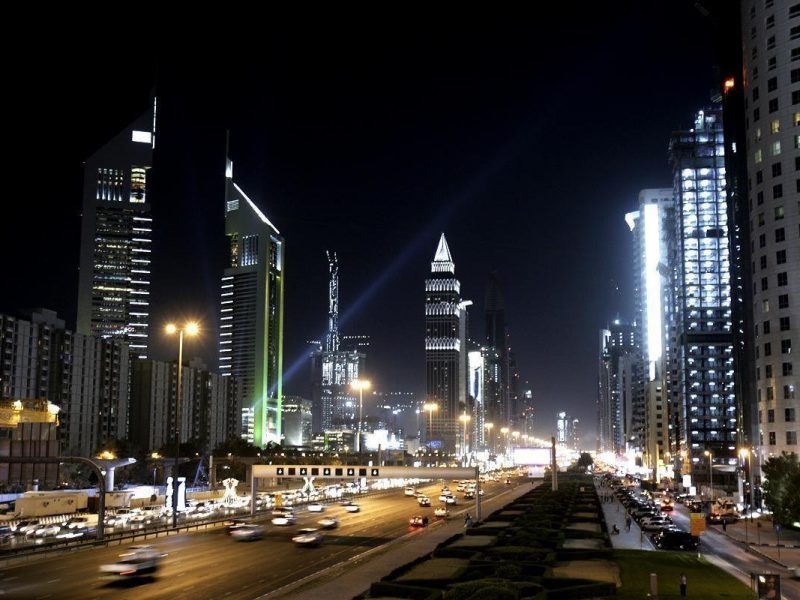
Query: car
pixel 450 499
pixel 119 518
pixel 328 523
pixel 247 532
pixel 424 501
pixel 656 524
pixel 444 497
pixel 469 495
pixel 508 481
pixel 345 502
pixel 308 537
pixel 284 519
pixel 47 530
pixel 352 508
pixel 410 491
pixel 25 527
pixel 675 539
pixel 140 561
pixel 418 521
pixel 77 523
pixel 440 511
pixel 316 507
pixel 232 524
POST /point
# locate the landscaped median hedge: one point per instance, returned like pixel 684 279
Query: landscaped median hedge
pixel 523 558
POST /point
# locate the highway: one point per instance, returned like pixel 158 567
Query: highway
pixel 210 564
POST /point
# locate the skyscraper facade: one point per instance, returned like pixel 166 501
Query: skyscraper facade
pixel 251 313
pixel 770 79
pixel 653 389
pixel 445 349
pixel 616 384
pixel 705 425
pixel 116 236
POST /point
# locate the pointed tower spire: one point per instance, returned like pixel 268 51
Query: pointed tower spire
pixel 442 260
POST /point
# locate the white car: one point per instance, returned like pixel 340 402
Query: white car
pixel 26 527
pixel 120 518
pixel 450 500
pixel 77 523
pixel 410 491
pixel 316 507
pixel 283 520
pixel 352 508
pixel 140 561
pixel 443 497
pixel 440 511
pixel 47 530
pixel 308 537
pixel 328 523
pixel 246 532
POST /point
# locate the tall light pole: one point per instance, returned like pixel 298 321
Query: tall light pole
pixel 710 456
pixel 430 408
pixel 360 385
pixel 746 455
pixel 505 431
pixel 465 418
pixel 191 329
pixel 489 427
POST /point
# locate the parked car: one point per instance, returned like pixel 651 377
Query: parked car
pixel 418 521
pixel 674 539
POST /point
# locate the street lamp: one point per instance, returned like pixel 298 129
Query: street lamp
pixel 155 456
pixel 710 456
pixel 505 431
pixel 360 385
pixel 744 453
pixel 489 427
pixel 465 418
pixel 190 329
pixel 430 408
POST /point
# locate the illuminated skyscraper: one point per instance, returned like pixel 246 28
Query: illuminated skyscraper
pixel 116 235
pixel 617 380
pixel 445 348
pixel 706 411
pixel 251 314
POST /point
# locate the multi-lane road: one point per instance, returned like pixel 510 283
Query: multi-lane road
pixel 715 543
pixel 210 564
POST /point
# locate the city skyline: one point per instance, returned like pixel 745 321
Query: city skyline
pixel 507 163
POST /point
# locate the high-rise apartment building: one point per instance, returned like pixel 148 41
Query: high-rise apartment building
pixel 706 419
pixel 205 397
pixel 653 393
pixel 445 349
pixel 116 236
pixel 771 87
pixel 251 313
pixel 618 378
pixel 87 377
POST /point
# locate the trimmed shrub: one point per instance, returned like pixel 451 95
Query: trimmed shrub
pixel 397 590
pixel 467 591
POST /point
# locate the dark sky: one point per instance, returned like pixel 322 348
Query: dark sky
pixel 524 138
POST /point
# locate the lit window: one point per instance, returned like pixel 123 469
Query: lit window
pixel 776 148
pixel 775 126
pixel 758 157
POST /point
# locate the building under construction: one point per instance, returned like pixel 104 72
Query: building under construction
pixel 335 364
pixel 28 428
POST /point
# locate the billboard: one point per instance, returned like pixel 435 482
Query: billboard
pixel 532 456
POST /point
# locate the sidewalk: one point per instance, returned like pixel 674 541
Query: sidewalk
pixel 763 540
pixel 354 576
pixel 614 513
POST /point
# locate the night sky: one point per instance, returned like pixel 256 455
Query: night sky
pixel 524 139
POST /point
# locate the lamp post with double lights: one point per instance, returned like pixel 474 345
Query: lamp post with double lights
pixel 190 329
pixel 505 431
pixel 430 408
pixel 360 385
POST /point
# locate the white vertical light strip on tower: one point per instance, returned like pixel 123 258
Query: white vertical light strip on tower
pixel 652 245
